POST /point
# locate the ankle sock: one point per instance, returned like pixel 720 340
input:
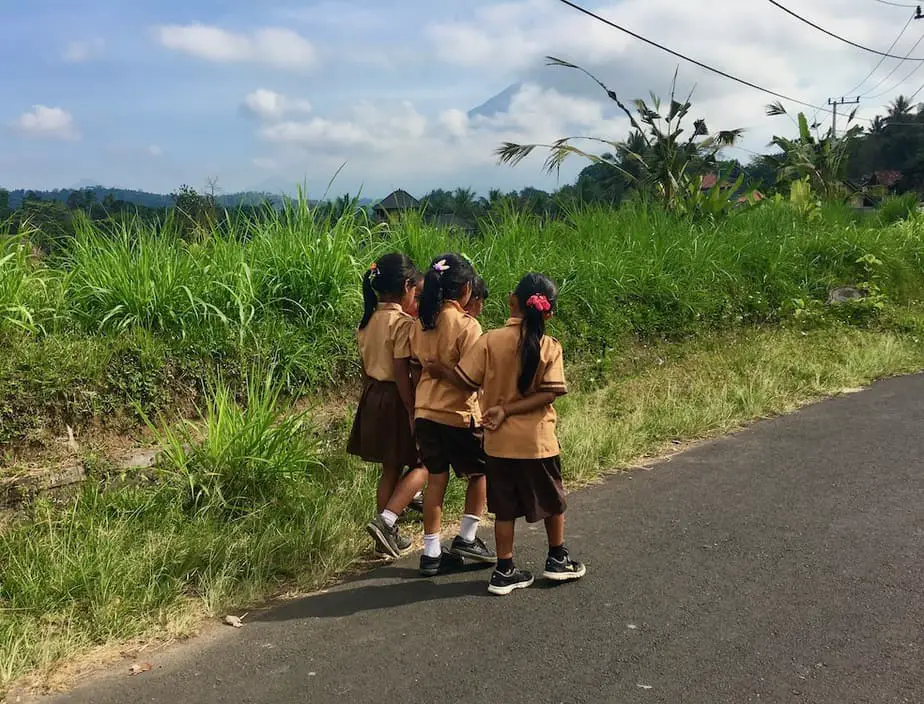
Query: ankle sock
pixel 505 565
pixel 469 527
pixel 390 518
pixel 558 552
pixel 432 546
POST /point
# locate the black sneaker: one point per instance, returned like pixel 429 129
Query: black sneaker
pixel 387 540
pixel 432 566
pixel 404 543
pixel 417 502
pixel 475 550
pixel 503 583
pixel 564 570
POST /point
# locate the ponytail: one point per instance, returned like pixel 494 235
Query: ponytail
pixel 446 280
pixel 537 296
pixel 431 299
pixel 370 300
pixel 390 275
pixel 533 329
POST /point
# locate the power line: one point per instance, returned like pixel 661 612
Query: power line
pixel 884 54
pixel 883 58
pixel 707 67
pixel 702 65
pixel 896 4
pixel 914 70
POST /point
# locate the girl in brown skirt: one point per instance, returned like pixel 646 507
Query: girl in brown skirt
pixel 520 371
pixel 383 428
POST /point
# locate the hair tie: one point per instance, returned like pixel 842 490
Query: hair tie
pixel 373 270
pixel 539 302
pixel 441 266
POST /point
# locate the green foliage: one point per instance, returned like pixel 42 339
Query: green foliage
pixel 820 159
pixel 148 315
pixel 895 208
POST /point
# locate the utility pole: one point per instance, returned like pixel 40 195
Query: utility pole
pixel 834 103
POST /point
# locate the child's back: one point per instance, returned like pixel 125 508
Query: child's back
pixel 438 399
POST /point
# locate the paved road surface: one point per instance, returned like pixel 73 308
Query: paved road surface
pixel 781 564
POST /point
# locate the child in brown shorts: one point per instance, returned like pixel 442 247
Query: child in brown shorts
pixel 520 370
pixel 448 419
pixel 382 429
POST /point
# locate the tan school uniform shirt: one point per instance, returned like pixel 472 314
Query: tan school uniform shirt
pixel 386 338
pixel 438 399
pixel 493 364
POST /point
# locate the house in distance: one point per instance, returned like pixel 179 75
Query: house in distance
pixel 395 203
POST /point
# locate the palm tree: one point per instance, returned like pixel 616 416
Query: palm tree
pixel 463 202
pixel 900 109
pixel 655 155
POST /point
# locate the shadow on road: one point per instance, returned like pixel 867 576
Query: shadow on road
pixel 354 597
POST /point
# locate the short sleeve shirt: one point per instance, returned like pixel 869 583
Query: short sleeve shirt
pixel 438 399
pixel 385 338
pixel 493 364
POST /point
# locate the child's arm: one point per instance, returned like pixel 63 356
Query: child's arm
pixel 495 416
pixel 402 369
pixel 438 370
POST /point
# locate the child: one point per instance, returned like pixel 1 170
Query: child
pixel 413 310
pixel 521 372
pixel 447 417
pixel 382 430
pixel 480 292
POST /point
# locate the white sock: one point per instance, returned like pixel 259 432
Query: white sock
pixel 390 518
pixel 468 528
pixel 432 547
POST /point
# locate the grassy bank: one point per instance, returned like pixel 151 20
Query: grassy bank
pixel 264 504
pixel 673 329
pixel 132 317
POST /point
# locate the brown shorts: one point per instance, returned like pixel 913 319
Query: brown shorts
pixel 442 446
pixel 530 488
pixel 381 429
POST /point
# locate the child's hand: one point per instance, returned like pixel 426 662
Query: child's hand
pixel 494 417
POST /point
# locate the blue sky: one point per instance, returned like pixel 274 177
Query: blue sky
pixel 262 95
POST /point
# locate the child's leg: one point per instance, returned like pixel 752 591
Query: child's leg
pixel 387 483
pixel 476 496
pixel 503 536
pixel 554 530
pixel 433 502
pixel 407 488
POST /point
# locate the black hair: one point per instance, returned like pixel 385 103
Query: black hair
pixel 445 280
pixel 533 326
pixel 479 289
pixel 389 276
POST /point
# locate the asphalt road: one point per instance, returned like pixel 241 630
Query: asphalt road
pixel 780 564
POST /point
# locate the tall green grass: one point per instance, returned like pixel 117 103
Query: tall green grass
pixel 284 290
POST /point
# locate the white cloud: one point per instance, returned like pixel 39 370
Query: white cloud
pixel 272 46
pixel 155 150
pixel 81 51
pixel 47 123
pixel 753 41
pixel 395 142
pixel 269 105
pixel 265 163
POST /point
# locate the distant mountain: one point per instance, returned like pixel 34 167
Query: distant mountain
pixel 500 103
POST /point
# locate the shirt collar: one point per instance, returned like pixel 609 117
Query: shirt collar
pixel 513 321
pixel 389 306
pixel 453 304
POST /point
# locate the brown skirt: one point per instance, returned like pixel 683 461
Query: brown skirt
pixel 530 488
pixel 381 429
